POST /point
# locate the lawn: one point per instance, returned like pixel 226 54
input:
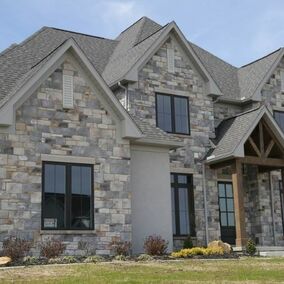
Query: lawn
pixel 246 270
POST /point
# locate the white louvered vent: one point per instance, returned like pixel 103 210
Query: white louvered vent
pixel 68 99
pixel 282 80
pixel 171 60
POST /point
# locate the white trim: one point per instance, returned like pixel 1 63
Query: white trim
pixel 67 159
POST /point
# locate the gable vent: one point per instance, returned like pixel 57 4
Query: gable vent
pixel 282 80
pixel 171 60
pixel 68 98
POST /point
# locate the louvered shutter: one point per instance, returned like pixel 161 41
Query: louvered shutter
pixel 171 60
pixel 68 98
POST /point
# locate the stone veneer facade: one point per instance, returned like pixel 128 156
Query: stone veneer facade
pixel 88 130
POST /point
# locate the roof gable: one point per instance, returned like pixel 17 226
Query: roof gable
pixel 232 134
pixel 47 66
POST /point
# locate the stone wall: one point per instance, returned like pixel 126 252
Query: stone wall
pixel 88 130
pixel 154 77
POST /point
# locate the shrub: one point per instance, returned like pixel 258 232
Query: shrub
pixel 121 248
pixel 16 248
pixel 144 257
pixel 120 257
pixel 52 248
pixel 184 253
pixel 250 247
pixel 94 259
pixel 31 260
pixel 155 245
pixel 188 243
pixel 63 260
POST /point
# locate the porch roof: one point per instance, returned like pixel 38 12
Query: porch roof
pixel 232 134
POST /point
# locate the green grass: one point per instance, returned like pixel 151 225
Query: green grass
pixel 246 270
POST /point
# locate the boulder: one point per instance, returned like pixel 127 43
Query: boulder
pixel 4 260
pixel 225 246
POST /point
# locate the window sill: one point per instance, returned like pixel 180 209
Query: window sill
pixel 183 237
pixel 67 232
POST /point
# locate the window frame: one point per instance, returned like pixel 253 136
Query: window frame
pixel 281 193
pixel 172 106
pixel 191 210
pixel 68 193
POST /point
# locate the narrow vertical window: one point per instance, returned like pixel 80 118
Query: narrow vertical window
pixel 68 97
pixel 183 219
pixel 181 115
pixel 164 112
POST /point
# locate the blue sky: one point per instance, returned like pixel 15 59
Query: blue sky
pixel 238 31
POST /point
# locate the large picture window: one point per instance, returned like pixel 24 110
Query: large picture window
pixel 183 218
pixel 67 202
pixel 172 113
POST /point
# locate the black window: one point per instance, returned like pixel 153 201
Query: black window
pixel 172 113
pixel 183 218
pixel 67 200
pixel 279 117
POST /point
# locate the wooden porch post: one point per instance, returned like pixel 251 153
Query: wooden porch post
pixel 237 178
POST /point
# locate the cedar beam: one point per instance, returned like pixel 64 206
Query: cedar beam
pixel 261 140
pixel 269 148
pixel 254 147
pixel 237 178
pixel 269 162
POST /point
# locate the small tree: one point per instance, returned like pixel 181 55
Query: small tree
pixel 250 247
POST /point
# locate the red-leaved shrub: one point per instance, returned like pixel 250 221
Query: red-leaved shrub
pixel 16 248
pixel 155 245
pixel 121 247
pixel 52 248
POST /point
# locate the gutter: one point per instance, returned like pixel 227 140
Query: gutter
pixel 205 203
pixel 126 95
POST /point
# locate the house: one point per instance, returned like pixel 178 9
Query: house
pixel 147 133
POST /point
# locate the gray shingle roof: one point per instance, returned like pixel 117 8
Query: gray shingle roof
pixel 155 133
pixel 114 58
pixel 232 130
pixel 224 74
pixel 252 74
pixel 19 60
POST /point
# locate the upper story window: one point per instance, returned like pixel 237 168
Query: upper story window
pixel 172 113
pixel 282 80
pixel 67 201
pixel 279 117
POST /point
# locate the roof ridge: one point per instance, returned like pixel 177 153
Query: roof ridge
pixel 260 58
pixel 83 34
pixel 131 25
pixel 151 35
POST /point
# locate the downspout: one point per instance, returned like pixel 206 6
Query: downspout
pixel 272 207
pixel 126 95
pixel 205 203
